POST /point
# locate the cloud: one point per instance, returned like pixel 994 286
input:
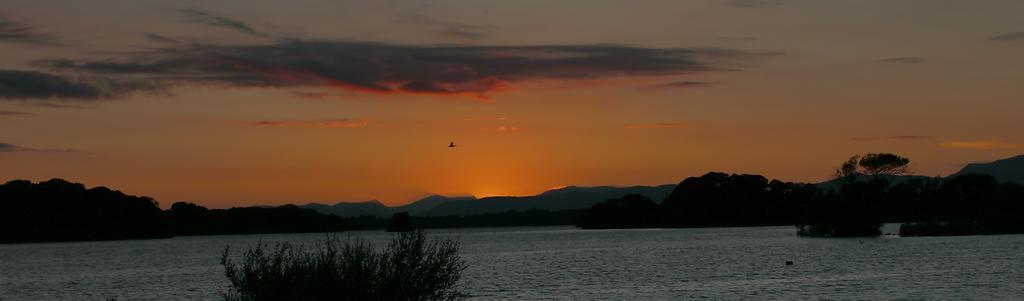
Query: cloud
pixel 311 95
pixel 32 85
pixel 321 123
pixel 18 32
pixel 152 37
pixel 52 105
pixel 502 128
pixel 906 60
pixel 13 113
pixel 387 68
pixel 10 148
pixel 754 3
pixel 212 19
pixel 982 145
pixel 7 147
pixel 1016 36
pixel 458 31
pixel 666 125
pixel 498 118
pixel 16 84
pixel 463 33
pixel 680 85
pixel 898 137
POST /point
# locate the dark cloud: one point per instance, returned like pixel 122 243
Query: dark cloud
pixel 13 113
pixel 423 87
pixel 316 123
pixel 898 137
pixel 7 147
pixel 32 85
pixel 455 30
pixel 10 148
pixel 16 84
pixel 680 85
pixel 152 37
pixel 385 68
pixel 18 32
pixel 209 18
pixel 1017 36
pixel 754 3
pixel 52 105
pixel 312 95
pixel 906 60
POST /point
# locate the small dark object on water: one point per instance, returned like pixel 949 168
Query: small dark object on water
pixel 789 262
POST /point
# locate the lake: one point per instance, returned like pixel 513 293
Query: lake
pixel 568 264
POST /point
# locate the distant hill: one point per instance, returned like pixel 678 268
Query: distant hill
pixel 557 199
pixel 1005 170
pixel 572 197
pixel 373 207
pixel 1009 170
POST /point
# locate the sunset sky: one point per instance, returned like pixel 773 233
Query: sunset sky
pixel 231 103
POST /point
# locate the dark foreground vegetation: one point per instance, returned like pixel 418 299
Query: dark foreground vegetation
pixel 867 192
pixel 410 267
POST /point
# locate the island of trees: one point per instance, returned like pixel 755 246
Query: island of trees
pixel 867 191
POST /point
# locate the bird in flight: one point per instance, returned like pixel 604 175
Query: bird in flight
pixel 451 144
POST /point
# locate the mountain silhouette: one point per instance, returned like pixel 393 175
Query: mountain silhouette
pixel 1006 170
pixel 372 207
pixel 571 197
pixel 376 208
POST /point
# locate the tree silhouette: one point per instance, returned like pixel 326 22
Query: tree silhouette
pixel 191 219
pixel 874 165
pixel 630 211
pixel 848 170
pixel 58 210
pixel 884 164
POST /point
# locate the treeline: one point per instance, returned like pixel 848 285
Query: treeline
pixel 191 219
pixel 532 217
pixel 975 204
pixel 712 200
pixel 58 210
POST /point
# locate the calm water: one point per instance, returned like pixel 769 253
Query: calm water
pixel 564 263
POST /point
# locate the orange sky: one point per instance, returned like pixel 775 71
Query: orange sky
pixel 231 103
